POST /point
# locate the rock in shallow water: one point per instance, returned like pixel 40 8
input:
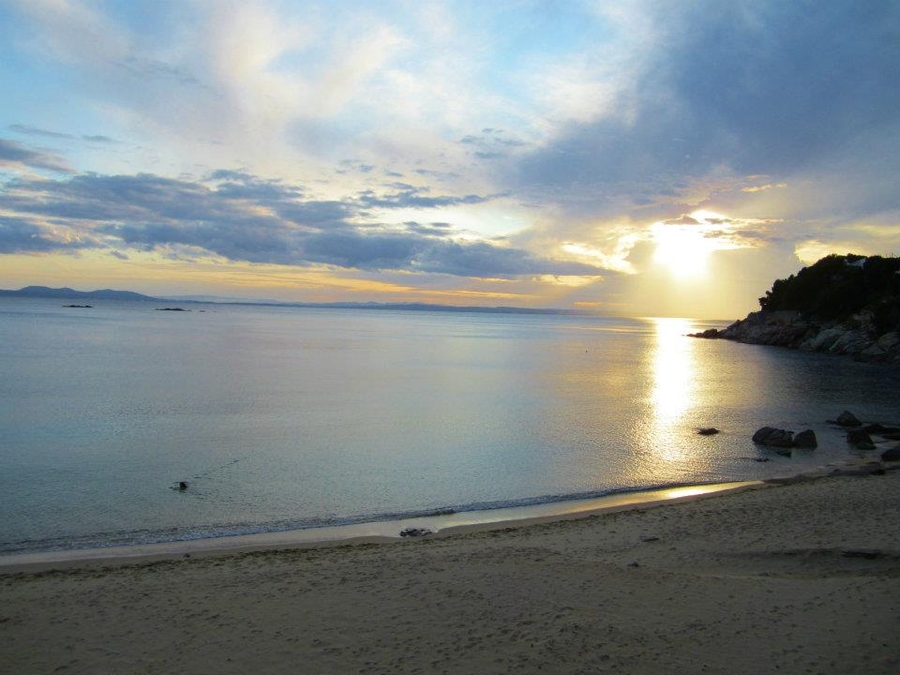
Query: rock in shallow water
pixel 891 454
pixel 806 439
pixel 860 440
pixel 847 419
pixel 776 438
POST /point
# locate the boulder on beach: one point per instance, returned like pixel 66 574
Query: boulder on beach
pixel 707 431
pixel 806 439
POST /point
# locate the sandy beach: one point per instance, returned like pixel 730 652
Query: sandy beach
pixel 799 577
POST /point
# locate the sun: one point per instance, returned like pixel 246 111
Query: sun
pixel 682 250
pixel 684 246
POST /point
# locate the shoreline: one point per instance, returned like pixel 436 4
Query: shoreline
pixel 384 531
pixel 799 575
pixel 389 531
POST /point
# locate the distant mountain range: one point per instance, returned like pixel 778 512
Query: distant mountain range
pixel 71 294
pixel 109 294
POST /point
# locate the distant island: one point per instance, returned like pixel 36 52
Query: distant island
pixel 108 294
pixel 843 304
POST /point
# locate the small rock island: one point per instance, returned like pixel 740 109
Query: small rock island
pixel 843 304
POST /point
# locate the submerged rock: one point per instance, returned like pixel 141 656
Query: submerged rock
pixel 860 440
pixel 891 454
pixel 847 419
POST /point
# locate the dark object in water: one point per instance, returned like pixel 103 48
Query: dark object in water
pixel 777 438
pixel 182 485
pixel 707 431
pixel 806 439
pixel 847 419
pixel 891 454
pixel 860 440
pixel 78 306
pixel 171 309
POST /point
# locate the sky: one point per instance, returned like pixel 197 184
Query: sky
pixel 635 157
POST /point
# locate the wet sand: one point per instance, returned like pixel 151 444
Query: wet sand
pixel 797 577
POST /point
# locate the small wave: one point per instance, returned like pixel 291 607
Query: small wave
pixel 234 529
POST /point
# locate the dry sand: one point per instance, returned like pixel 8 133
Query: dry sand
pixel 795 578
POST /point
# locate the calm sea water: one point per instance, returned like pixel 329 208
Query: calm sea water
pixel 283 418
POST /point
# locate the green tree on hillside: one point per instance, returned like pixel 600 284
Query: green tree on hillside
pixel 838 286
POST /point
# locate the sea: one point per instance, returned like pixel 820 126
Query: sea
pixel 286 418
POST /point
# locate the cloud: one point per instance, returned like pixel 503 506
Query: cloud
pixel 34 131
pixel 762 188
pixel 47 133
pixel 492 144
pixel 736 89
pixel 482 259
pixel 569 131
pixel 18 235
pixel 412 197
pixel 14 155
pixel 241 217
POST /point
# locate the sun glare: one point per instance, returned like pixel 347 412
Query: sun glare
pixel 681 250
pixel 683 247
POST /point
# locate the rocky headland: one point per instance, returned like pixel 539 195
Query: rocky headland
pixel 847 304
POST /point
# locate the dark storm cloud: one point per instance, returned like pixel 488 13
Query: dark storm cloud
pixel 760 88
pixel 243 218
pixel 15 154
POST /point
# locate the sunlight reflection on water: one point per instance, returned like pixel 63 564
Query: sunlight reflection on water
pixel 672 390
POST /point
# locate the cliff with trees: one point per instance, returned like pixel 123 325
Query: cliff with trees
pixel 843 304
